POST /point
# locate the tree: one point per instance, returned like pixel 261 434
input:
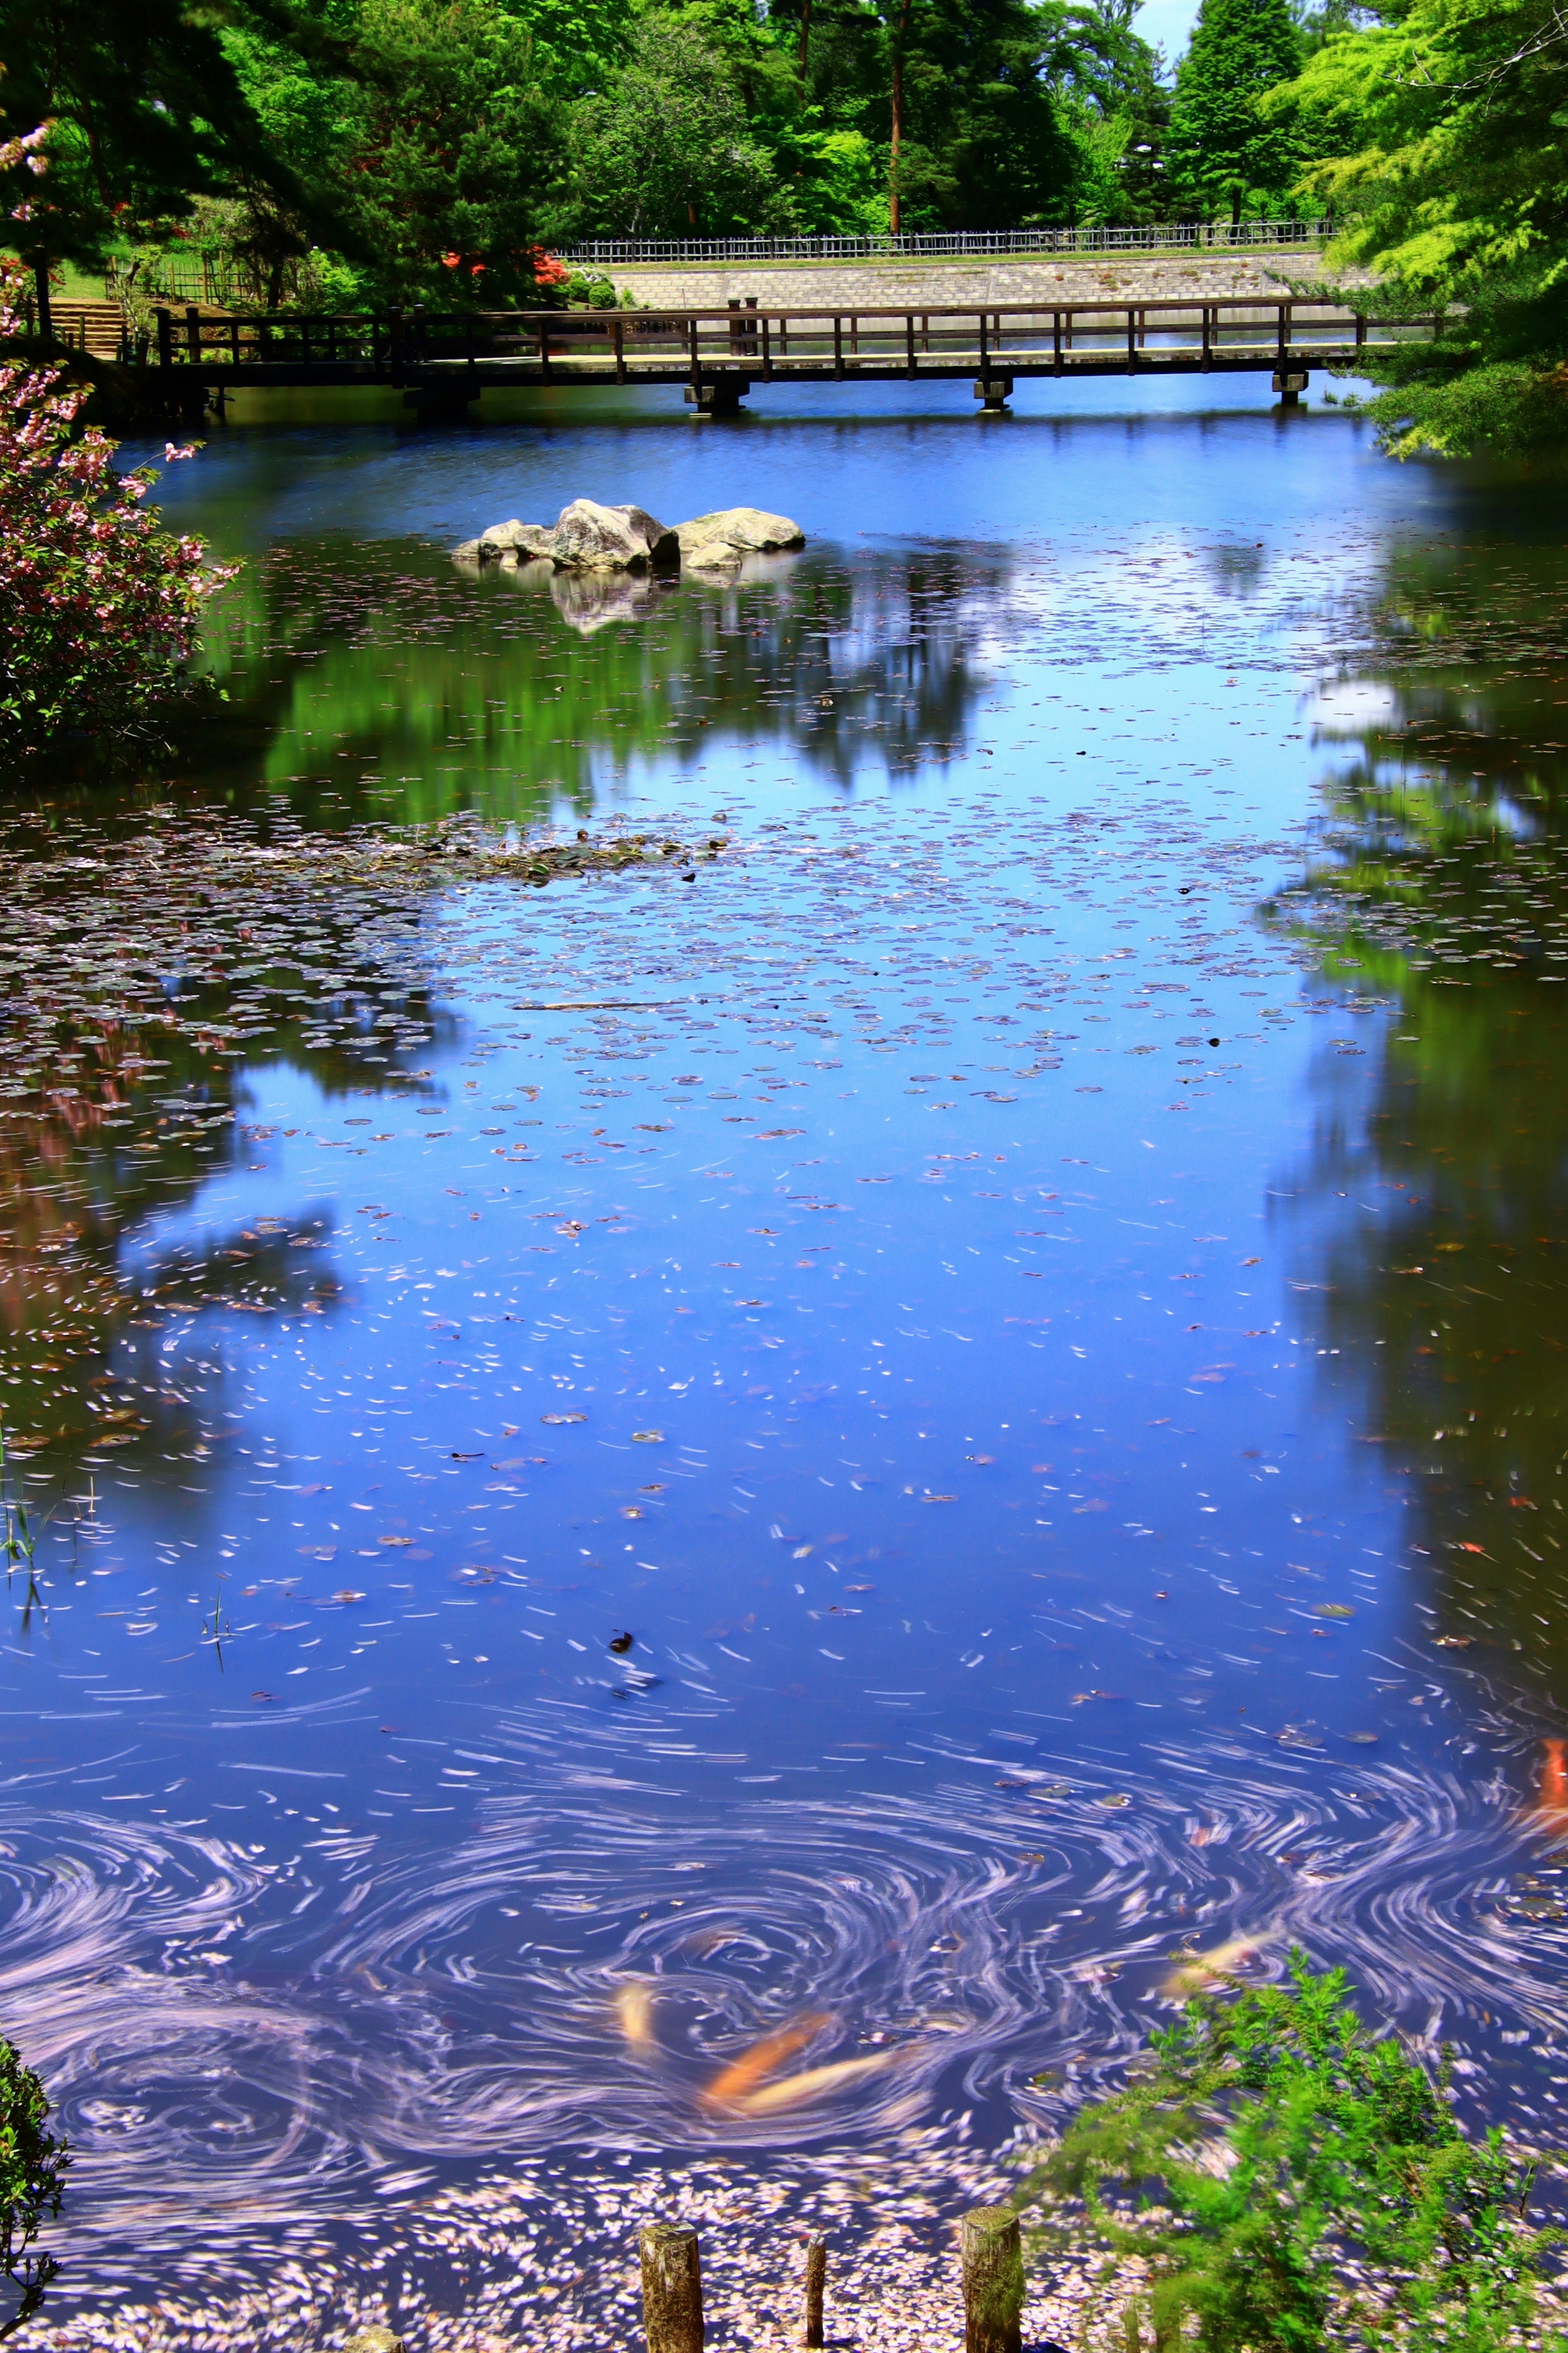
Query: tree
pixel 1445 138
pixel 305 99
pixel 1117 107
pixel 1268 2136
pixel 454 151
pixel 1227 150
pixel 32 2164
pixel 98 613
pixel 666 150
pixel 975 136
pixel 144 109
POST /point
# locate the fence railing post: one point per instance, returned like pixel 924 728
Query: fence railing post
pixel 993 2258
pixel 165 337
pixel 671 2288
pixel 813 2285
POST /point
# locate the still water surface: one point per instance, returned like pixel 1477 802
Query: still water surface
pixel 881 1427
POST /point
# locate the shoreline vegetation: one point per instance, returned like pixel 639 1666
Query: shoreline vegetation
pixel 445 151
pixel 1270 2179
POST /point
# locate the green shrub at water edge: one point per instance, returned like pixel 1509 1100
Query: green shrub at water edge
pixel 32 2164
pixel 1284 2173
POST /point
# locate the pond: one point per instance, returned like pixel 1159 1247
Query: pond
pixel 630 1570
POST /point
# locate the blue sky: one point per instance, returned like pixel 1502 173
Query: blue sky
pixel 1167 23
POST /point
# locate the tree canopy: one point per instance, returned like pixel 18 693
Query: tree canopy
pixel 147 112
pixel 422 149
pixel 1228 152
pixel 1442 134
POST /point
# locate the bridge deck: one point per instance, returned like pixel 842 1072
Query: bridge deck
pixel 462 354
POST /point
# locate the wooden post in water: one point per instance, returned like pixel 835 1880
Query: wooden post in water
pixel 815 2277
pixel 993 2281
pixel 671 2288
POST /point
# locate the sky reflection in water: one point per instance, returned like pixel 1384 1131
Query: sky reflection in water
pixel 1028 1290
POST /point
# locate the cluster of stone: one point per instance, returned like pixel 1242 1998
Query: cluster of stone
pixel 587 537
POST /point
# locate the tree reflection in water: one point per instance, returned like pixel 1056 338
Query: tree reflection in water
pixel 384 681
pixel 1443 891
pixel 143 980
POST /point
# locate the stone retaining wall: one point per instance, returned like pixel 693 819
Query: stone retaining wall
pixel 935 285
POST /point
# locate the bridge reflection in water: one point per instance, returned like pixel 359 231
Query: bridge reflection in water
pixel 717 355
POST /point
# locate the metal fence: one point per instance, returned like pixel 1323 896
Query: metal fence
pixel 219 280
pixel 958 244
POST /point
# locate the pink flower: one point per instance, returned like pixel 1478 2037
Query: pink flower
pixel 99 608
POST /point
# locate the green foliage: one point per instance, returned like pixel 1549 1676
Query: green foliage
pixel 839 184
pixel 33 2163
pixel 304 102
pixel 1117 107
pixel 453 150
pixel 147 112
pixel 1228 152
pixel 666 150
pixel 1444 133
pixel 338 152
pixel 1268 2138
pixel 984 141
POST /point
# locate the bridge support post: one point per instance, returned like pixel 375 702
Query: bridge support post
pixel 722 397
pixel 1290 384
pixel 994 392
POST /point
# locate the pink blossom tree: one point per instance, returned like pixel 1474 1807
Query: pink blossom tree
pixel 99 607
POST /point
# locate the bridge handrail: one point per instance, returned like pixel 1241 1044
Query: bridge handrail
pixel 388 346
pixel 215 327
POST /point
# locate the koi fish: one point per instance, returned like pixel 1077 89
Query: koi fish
pixel 634 2011
pixel 1193 1972
pixel 1551 1805
pixel 732 2086
pixel 796 2089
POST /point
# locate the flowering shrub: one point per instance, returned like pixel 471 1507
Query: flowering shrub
pixel 548 273
pixel 99 606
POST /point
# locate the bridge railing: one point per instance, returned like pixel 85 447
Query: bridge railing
pixel 763 340
pixel 954 243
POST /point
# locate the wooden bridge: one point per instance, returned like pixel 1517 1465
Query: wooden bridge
pixel 445 360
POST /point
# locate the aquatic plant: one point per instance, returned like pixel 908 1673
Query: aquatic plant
pixel 33 2163
pixel 98 606
pixel 1281 2171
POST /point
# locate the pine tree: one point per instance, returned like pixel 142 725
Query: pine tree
pixel 1225 151
pixel 146 113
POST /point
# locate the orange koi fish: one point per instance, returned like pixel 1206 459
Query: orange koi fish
pixel 796 2089
pixel 1551 1795
pixel 634 2011
pixel 732 2086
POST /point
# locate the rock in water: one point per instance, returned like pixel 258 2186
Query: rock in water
pixel 663 545
pixel 588 537
pixel 520 541
pixel 374 2340
pixel 714 542
pixel 591 538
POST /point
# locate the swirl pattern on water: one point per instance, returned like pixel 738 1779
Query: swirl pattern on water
pixel 973 1938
